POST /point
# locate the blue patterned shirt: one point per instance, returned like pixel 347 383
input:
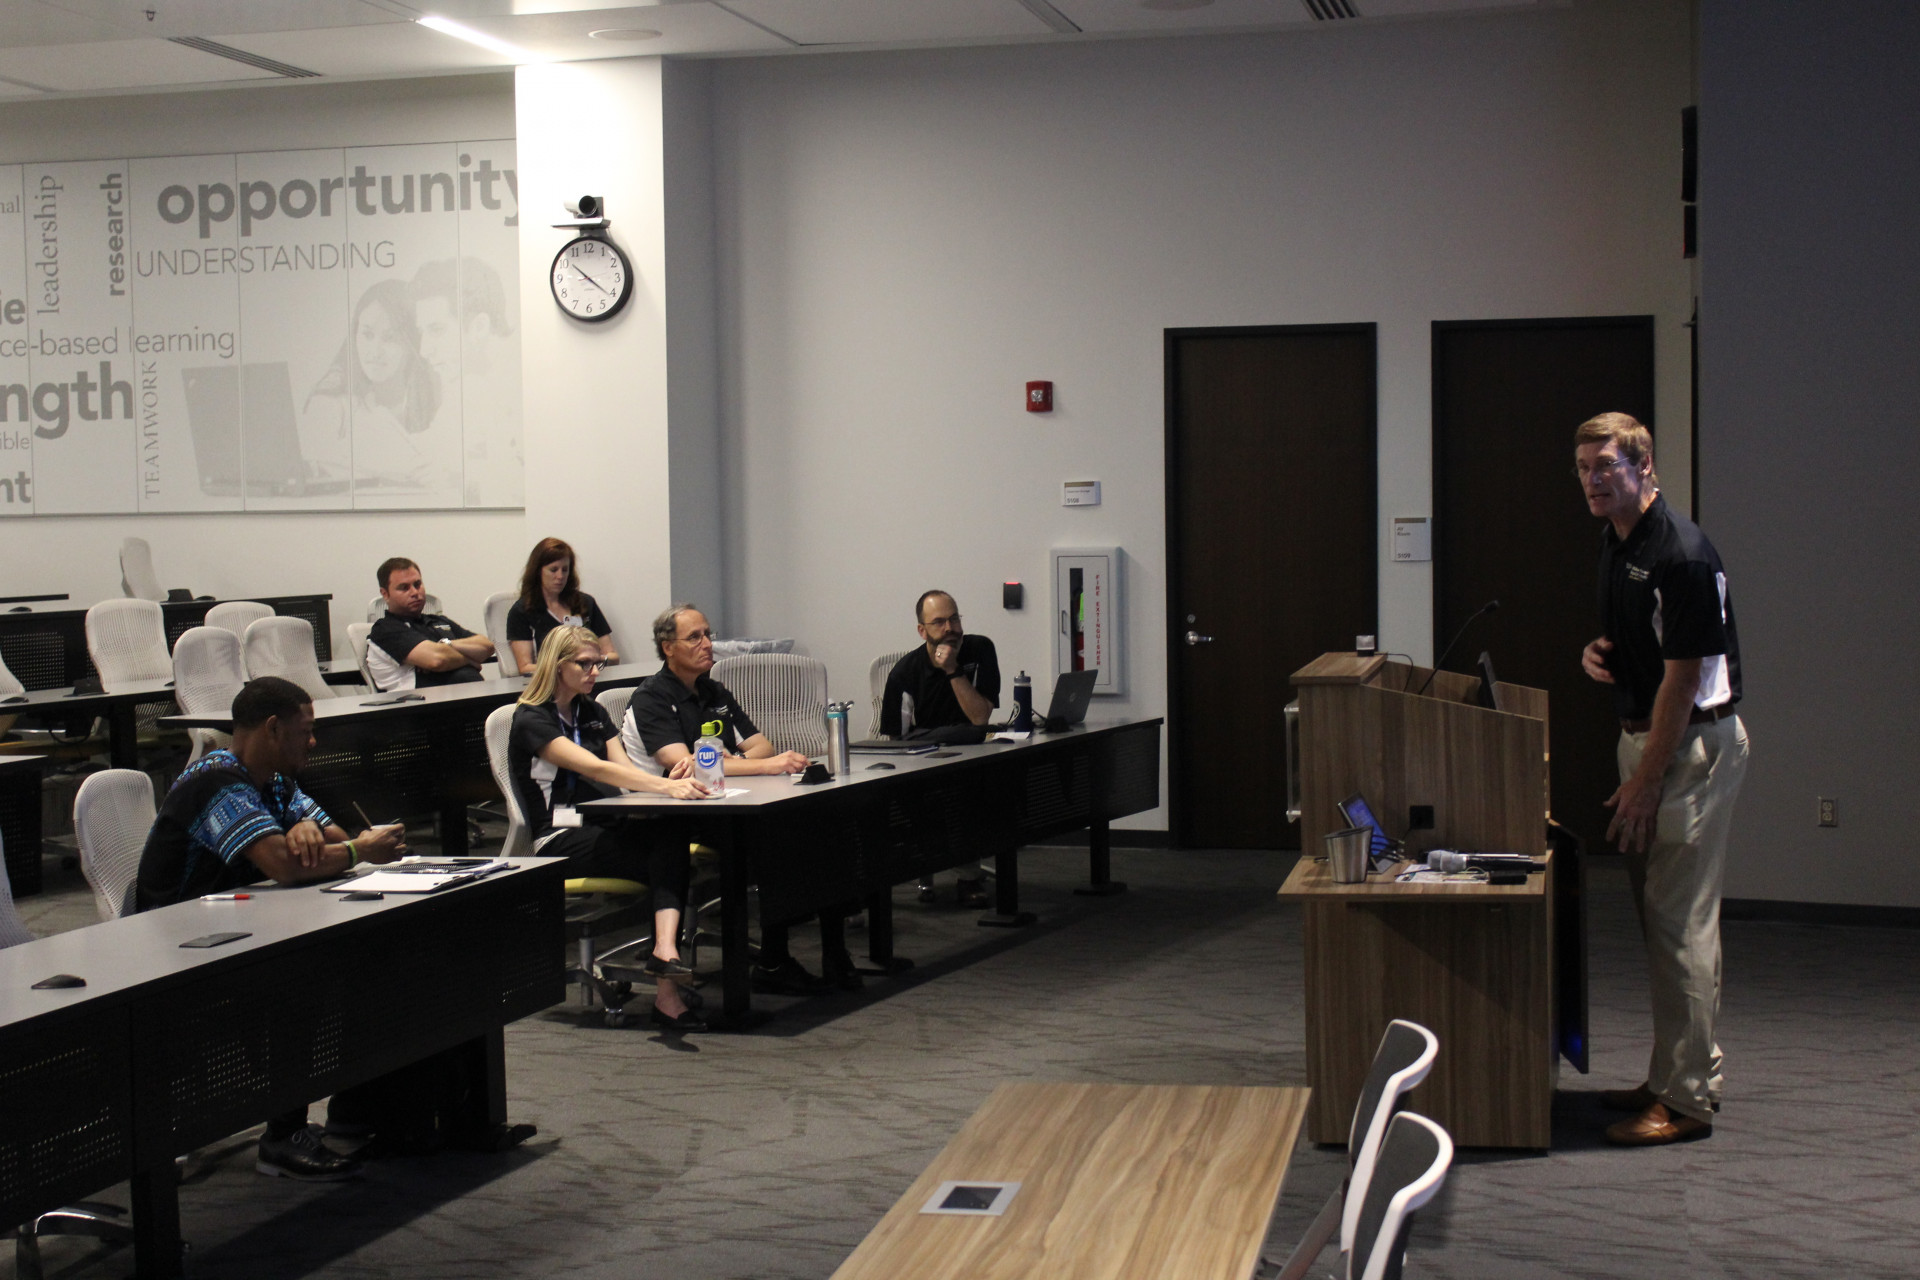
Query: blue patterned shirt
pixel 211 817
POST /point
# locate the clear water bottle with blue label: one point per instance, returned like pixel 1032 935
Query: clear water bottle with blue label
pixel 1022 704
pixel 708 753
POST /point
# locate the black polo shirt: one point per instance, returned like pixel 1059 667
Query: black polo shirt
pixel 538 785
pixel 533 624
pixel 394 637
pixel 1663 594
pixel 934 706
pixel 664 712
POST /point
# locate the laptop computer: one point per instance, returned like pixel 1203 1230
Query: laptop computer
pixel 1072 692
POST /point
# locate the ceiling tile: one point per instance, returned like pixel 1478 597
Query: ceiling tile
pixel 1103 16
pixel 683 28
pixel 891 21
pixel 394 49
pixel 27 22
pixel 208 17
pixel 120 64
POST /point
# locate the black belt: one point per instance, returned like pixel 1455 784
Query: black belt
pixel 1701 715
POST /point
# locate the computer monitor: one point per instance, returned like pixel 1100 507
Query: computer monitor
pixel 1489 687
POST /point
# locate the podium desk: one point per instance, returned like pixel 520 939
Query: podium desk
pixel 1473 963
pixel 1117 1182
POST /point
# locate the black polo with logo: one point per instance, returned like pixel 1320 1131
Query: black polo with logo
pixel 664 712
pixel 931 689
pixel 1663 594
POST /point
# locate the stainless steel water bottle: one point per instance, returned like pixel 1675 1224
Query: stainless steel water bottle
pixel 837 713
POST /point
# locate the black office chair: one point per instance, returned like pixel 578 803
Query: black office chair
pixel 1402 1061
pixel 1413 1162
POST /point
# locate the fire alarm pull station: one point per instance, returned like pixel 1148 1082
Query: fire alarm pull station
pixel 1039 397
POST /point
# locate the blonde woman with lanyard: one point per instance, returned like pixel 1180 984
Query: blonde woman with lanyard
pixel 564 749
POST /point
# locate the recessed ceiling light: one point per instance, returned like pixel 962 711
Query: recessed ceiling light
pixel 493 44
pixel 624 33
pixel 1174 6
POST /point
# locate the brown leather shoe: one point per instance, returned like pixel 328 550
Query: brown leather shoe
pixel 1635 1100
pixel 1656 1127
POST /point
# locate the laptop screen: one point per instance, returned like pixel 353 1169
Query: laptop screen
pixel 1357 813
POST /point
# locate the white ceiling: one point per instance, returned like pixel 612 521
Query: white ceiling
pixel 110 46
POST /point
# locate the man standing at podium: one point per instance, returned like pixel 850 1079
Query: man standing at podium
pixel 1669 649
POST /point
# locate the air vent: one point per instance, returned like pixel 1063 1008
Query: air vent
pixel 1330 10
pixel 219 50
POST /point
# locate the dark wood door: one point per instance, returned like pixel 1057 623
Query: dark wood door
pixel 1509 523
pixel 1271 553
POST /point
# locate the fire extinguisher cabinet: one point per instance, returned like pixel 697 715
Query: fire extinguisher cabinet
pixel 1088 606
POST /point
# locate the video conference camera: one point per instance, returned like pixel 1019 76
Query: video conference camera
pixel 587 207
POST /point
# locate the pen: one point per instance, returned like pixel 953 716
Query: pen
pixel 225 897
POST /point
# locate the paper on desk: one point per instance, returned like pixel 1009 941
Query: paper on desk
pixel 728 793
pixel 1421 875
pixel 1009 735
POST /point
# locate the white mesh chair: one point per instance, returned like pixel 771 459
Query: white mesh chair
pixel 13 930
pixel 786 696
pixel 357 633
pixel 594 906
pixel 237 615
pixel 127 640
pixel 377 608
pixel 877 681
pixel 1405 1056
pixel 615 703
pixel 111 817
pixel 207 672
pixel 137 578
pixel 1414 1158
pixel 284 647
pixel 494 615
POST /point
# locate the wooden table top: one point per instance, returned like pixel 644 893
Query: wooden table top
pixel 1313 878
pixel 1118 1182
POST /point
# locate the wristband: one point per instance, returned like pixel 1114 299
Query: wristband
pixel 353 856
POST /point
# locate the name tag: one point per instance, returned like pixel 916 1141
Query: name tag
pixel 565 815
pixel 573 620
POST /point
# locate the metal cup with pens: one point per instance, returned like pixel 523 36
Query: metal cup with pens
pixel 1348 854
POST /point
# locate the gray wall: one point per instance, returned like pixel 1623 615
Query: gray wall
pixel 1810 356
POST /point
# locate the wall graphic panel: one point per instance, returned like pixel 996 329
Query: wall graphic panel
pixel 330 330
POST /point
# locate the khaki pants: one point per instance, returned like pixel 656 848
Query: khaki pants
pixel 1676 889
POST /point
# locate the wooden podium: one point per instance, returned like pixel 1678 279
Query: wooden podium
pixel 1473 963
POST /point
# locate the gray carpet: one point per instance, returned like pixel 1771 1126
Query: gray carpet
pixel 772 1154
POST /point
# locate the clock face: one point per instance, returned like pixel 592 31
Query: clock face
pixel 591 279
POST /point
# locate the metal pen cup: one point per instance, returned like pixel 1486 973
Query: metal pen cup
pixel 1348 854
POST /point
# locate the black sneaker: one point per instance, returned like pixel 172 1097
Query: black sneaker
pixel 302 1156
pixel 788 978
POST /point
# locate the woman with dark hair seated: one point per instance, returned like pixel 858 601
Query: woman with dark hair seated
pixel 550 596
pixel 563 750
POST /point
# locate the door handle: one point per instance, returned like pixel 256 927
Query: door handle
pixel 1194 637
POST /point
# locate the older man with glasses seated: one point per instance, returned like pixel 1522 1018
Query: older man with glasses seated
pixel 664 721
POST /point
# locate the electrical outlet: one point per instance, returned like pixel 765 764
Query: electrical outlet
pixel 1829 811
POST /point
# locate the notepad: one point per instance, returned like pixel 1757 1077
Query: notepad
pixel 422 875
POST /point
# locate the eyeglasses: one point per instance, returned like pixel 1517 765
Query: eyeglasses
pixel 589 664
pixel 948 623
pixel 695 638
pixel 1583 473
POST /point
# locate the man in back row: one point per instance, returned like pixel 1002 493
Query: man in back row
pixel 952 679
pixel 410 648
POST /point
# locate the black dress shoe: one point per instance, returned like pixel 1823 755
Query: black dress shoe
pixel 839 971
pixel 787 978
pixel 688 1021
pixel 677 970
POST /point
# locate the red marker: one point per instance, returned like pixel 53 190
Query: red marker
pixel 225 897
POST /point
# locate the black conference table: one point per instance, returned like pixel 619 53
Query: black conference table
pixel 20 820
pixel 116 708
pixel 167 1049
pixel 810 848
pixel 396 760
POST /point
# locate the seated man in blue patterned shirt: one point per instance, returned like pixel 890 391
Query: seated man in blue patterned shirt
pixel 236 817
